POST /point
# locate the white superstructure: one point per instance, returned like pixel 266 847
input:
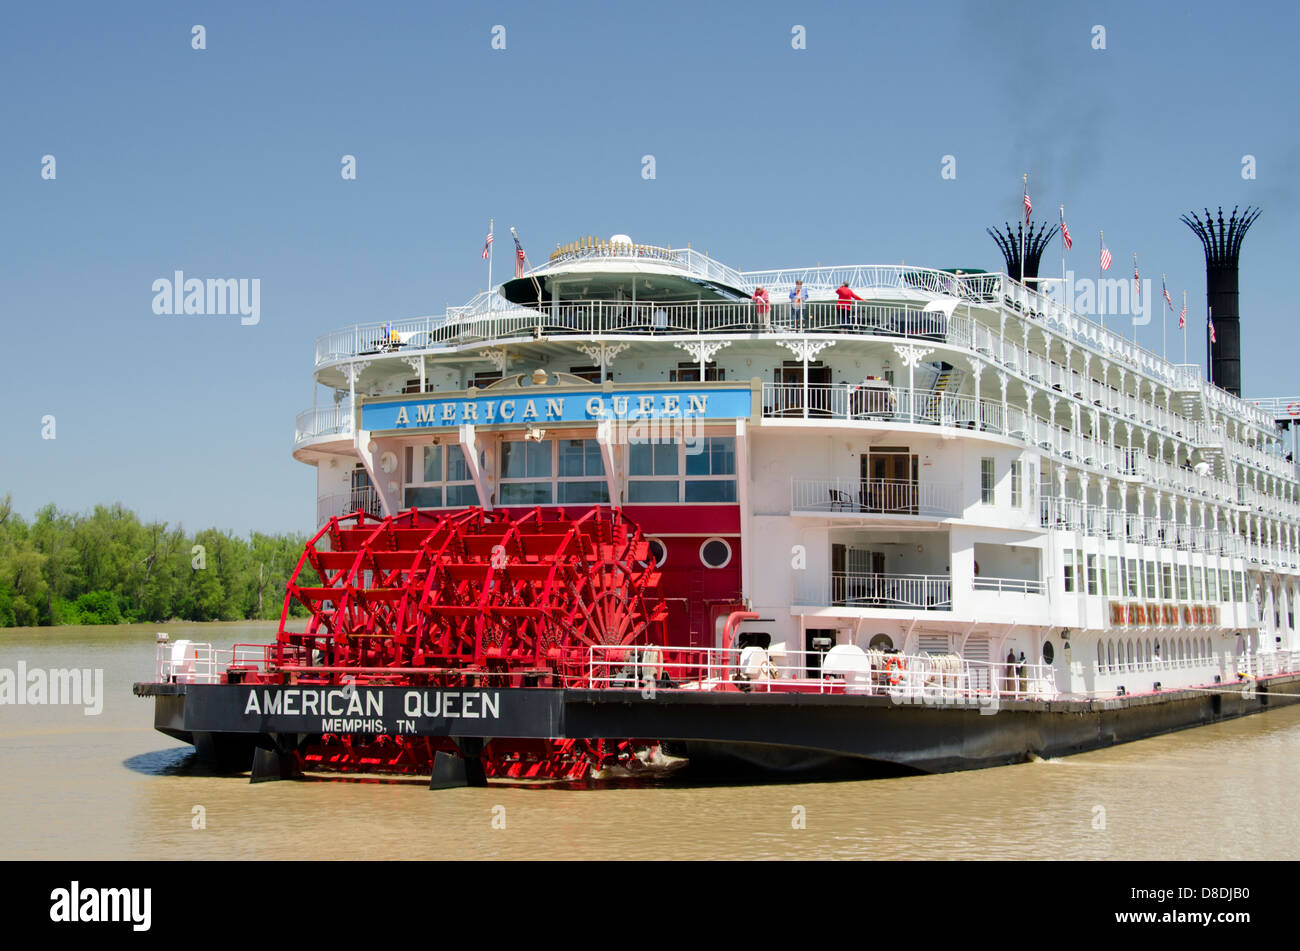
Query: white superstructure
pixel 955 464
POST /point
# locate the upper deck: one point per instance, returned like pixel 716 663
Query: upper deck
pixel 966 310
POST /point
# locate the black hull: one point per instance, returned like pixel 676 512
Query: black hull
pixel 723 734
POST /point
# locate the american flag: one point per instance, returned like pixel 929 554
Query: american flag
pixel 1213 339
pixel 1137 281
pixel 1105 258
pixel 1182 317
pixel 1065 232
pixel 1165 291
pixel 519 256
pixel 1029 205
pixel 487 245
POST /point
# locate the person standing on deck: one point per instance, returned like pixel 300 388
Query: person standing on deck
pixel 846 298
pixel 797 298
pixel 762 303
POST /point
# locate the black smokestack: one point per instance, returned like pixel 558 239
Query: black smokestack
pixel 1222 242
pixel 1035 244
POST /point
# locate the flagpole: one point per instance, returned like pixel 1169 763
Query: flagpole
pixel 1024 217
pixel 1101 308
pixel 491 222
pixel 1062 239
pixel 1184 328
pixel 1164 351
pixel 1209 347
pixel 1137 286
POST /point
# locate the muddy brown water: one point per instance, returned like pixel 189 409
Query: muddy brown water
pixel 108 786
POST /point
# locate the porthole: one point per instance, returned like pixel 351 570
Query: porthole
pixel 715 553
pixel 658 550
pixel 1049 652
pixel 881 642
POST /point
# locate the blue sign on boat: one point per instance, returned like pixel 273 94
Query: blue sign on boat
pixel 553 407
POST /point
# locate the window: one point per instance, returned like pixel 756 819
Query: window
pixel 582 473
pixel 986 481
pixel 1166 581
pixel 653 468
pixel 1092 574
pixel 1069 570
pixel 1153 590
pixel 1211 585
pixel 1238 587
pixel 1225 585
pixel 1182 583
pixel 486 378
pixel 716 458
pixel 1112 578
pixel 1132 581
pixel 526 473
pixel 658 551
pixel 589 373
pixel 1197 589
pixel 426 475
pixel 1017 493
pixel 715 553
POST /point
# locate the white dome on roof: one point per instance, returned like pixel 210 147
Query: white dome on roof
pixel 620 239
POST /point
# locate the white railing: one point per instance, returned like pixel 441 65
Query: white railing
pixel 905 678
pixel 1009 585
pixel 847 401
pixel 872 590
pixel 688 259
pixel 323 421
pixel 193 662
pixel 875 497
pixel 492 319
pixel 345 503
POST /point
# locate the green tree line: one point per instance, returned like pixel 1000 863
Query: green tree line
pixel 108 567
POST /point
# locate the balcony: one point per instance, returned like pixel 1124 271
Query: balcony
pixel 890 591
pixel 312 424
pixel 364 499
pixel 847 401
pixel 875 497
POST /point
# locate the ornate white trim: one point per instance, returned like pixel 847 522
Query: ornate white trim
pixel 352 371
pixel 602 354
pixel 911 355
pixel 498 357
pixel 806 349
pixel 702 351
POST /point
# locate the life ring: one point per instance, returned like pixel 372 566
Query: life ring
pixel 894 670
pixel 1293 409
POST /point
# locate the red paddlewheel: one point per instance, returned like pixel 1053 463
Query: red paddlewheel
pixel 469 598
pixel 472 596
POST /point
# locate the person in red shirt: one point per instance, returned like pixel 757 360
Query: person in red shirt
pixel 762 304
pixel 845 297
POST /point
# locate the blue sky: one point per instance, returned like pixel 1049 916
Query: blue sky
pixel 225 163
